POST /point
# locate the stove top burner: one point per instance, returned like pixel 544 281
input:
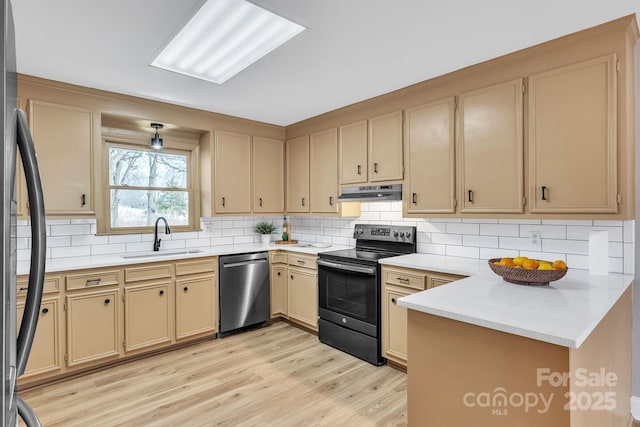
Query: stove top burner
pixel 358 254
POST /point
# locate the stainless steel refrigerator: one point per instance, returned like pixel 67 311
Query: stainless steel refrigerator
pixel 17 139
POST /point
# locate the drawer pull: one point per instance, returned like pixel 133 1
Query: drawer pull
pixel 107 301
pixel 45 310
pixel 402 279
pixel 161 292
pixel 22 289
pixel 393 300
pixel 93 282
pixel 301 262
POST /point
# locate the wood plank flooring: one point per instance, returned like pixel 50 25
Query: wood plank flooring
pixel 278 376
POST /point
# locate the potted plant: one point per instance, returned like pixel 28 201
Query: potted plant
pixel 265 229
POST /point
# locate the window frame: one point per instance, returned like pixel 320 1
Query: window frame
pixel 193 190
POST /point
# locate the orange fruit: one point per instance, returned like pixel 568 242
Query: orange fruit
pixel 559 265
pixel 507 262
pixel 519 260
pixel 531 264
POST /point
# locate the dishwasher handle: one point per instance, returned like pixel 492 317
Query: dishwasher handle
pixel 243 263
pixel 352 268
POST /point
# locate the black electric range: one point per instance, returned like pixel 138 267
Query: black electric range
pixel 349 289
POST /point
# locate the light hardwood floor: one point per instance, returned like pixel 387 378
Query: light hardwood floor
pixel 278 375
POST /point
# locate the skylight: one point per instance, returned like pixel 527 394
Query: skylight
pixel 223 38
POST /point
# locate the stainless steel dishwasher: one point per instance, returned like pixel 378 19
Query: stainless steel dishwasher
pixel 244 291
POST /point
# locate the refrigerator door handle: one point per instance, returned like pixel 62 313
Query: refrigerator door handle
pixel 26 413
pixel 38 244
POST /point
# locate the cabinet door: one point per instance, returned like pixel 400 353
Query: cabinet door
pixel 491 149
pixel 302 287
pixel 195 306
pixel 92 326
pixel 298 174
pixel 63 138
pixel 278 290
pixel 353 153
pixel 572 138
pixel 324 171
pixel 394 326
pixel 232 182
pixel 45 352
pixel 147 319
pixel 429 151
pixel 268 175
pixel 385 148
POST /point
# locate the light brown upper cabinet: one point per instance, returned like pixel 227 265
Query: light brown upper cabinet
pixel 268 175
pixel 490 149
pixel 324 171
pixel 298 174
pixel 429 151
pixel 572 138
pixel 353 153
pixel 385 148
pixel 63 138
pixel 232 181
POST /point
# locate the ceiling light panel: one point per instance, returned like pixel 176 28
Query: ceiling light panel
pixel 223 38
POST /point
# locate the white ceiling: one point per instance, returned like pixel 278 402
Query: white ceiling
pixel 352 50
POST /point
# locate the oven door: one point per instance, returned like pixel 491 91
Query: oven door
pixel 348 295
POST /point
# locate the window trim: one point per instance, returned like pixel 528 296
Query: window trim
pixel 192 189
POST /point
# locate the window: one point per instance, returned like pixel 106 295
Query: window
pixel 145 184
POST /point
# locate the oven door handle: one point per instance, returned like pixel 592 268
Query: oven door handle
pixel 352 268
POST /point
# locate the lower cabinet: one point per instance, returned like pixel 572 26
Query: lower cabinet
pixel 302 290
pixel 196 307
pixel 279 305
pixel 93 326
pixel 45 351
pixel 147 315
pixel 397 283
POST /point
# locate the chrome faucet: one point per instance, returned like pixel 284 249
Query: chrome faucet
pixel 167 230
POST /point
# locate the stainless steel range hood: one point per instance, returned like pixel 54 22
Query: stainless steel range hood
pixel 371 193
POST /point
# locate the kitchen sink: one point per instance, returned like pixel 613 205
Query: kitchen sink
pixel 160 254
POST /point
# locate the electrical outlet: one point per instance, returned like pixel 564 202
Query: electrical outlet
pixel 534 237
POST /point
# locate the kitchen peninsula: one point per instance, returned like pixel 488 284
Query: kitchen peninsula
pixel 485 352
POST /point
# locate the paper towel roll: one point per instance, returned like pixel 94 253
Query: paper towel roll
pixel 599 252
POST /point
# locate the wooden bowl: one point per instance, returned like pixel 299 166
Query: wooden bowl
pixel 524 276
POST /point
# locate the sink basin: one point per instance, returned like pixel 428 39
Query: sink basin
pixel 160 254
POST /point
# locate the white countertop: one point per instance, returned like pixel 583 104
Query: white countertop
pixel 78 263
pixel 563 313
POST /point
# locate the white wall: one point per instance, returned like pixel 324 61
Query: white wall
pixel 470 238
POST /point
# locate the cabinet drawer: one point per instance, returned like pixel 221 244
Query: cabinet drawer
pixel 303 261
pixel 148 272
pixel 51 285
pixel 207 265
pixel 414 280
pixel 277 257
pixel 439 279
pixel 93 279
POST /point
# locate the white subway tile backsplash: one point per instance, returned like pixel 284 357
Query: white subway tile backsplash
pixel 481 238
pixel 512 230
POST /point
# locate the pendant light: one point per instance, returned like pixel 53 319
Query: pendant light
pixel 156 141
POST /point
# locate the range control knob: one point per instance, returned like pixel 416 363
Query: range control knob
pixel 408 235
pixel 395 234
pixel 402 234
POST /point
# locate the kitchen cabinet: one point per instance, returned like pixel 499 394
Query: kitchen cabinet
pixel 323 147
pixel 400 282
pixel 490 133
pixel 63 138
pixel 385 148
pixel 297 166
pixel 430 157
pixel 268 175
pixel 572 138
pixel 302 290
pixel 45 356
pixel 278 282
pixel 93 326
pixel 232 179
pixel 353 153
pixel 196 290
pixel 147 315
